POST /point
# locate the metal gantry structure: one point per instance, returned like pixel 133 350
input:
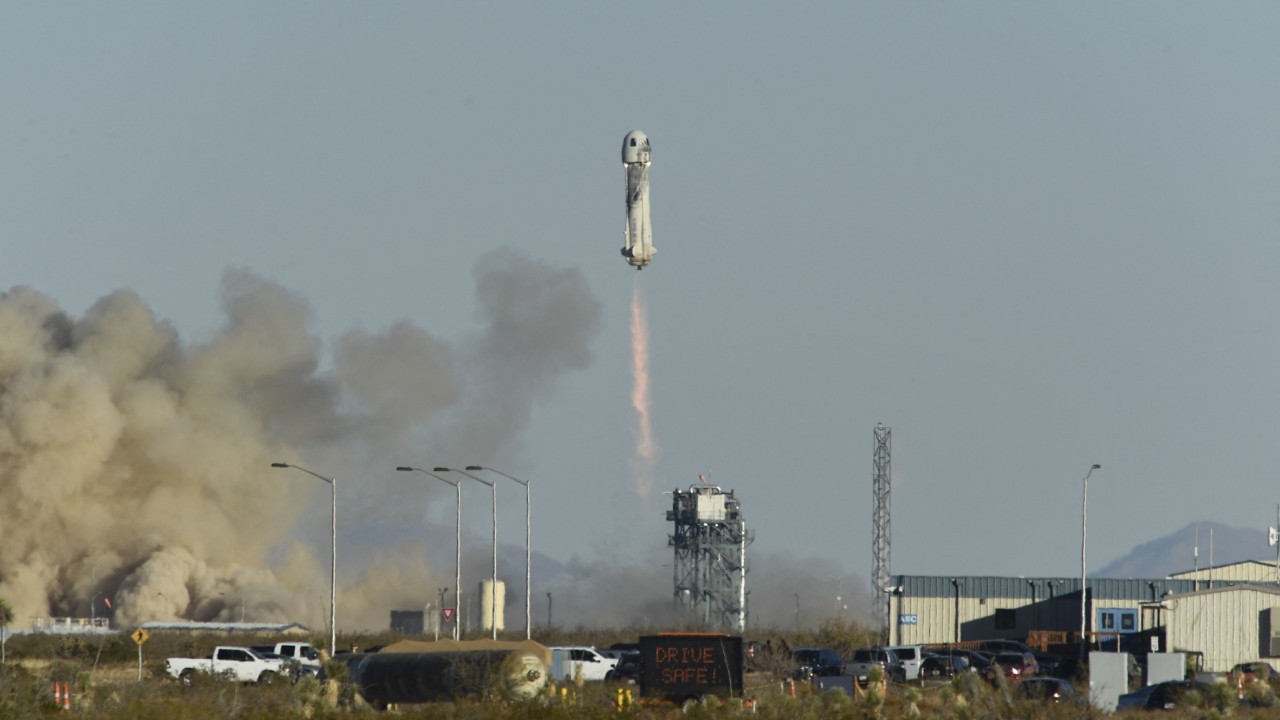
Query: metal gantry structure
pixel 881 484
pixel 710 540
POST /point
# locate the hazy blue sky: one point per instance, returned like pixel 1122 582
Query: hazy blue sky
pixel 1027 236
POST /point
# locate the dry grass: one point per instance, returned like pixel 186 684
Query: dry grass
pixel 103 675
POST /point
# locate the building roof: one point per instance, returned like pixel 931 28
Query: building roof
pixel 1269 588
pixel 225 627
pixel 1037 588
pixel 1262 565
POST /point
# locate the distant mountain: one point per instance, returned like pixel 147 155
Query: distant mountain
pixel 1175 552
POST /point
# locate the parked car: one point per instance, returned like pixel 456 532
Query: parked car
pixel 1047 663
pixel 1252 671
pixel 866 660
pixel 942 669
pixel 978 661
pixel 235 663
pixel 820 662
pixel 1002 646
pixel 755 653
pixel 1014 665
pixel 1050 689
pixel 301 659
pixel 910 656
pixel 568 662
pixel 1135 699
pixel 628 668
pixel 1176 693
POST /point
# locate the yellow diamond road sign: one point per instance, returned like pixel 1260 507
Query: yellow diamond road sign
pixel 140 635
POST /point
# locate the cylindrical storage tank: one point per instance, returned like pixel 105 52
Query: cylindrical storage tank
pixel 492 604
pixel 388 678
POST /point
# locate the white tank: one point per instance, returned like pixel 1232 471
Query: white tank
pixel 495 601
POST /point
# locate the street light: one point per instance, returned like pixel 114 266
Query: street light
pixel 528 557
pixel 1084 527
pixel 493 585
pixel 457 541
pixel 333 558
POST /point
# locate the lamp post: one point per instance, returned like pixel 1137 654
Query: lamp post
pixel 1084 527
pixel 457 542
pixel 548 610
pixel 493 584
pixel 528 557
pixel 333 557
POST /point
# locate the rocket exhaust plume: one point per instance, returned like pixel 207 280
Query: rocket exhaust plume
pixel 646 447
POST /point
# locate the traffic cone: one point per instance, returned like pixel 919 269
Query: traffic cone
pixel 57 693
pixel 66 696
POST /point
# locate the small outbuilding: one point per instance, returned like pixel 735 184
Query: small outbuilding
pixel 1229 624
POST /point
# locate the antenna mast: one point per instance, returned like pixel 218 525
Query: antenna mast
pixel 880 545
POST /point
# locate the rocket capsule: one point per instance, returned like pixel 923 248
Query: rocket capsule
pixel 638 246
pixel 635 148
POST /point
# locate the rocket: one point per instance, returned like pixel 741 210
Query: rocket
pixel 638 247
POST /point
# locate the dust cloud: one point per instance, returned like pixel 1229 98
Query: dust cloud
pixel 135 465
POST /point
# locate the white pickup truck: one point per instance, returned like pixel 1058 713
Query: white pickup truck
pixel 569 663
pixel 236 663
pixel 303 655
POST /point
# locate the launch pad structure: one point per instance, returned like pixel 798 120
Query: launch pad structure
pixel 710 540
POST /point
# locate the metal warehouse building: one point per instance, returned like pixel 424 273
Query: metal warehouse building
pixel 1229 625
pixel 1229 614
pixel 931 609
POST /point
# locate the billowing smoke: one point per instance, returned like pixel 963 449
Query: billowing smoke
pixel 639 592
pixel 136 466
pixel 646 446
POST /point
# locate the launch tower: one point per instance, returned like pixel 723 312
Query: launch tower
pixel 710 540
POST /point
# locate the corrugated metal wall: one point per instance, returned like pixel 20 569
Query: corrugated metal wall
pixel 1223 623
pixel 935 602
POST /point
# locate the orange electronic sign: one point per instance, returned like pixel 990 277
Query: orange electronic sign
pixel 686 665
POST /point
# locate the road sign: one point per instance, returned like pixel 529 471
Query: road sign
pixel 140 636
pixel 448 614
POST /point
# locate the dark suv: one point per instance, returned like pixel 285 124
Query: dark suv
pixel 1047 664
pixel 628 668
pixel 810 662
pixel 869 659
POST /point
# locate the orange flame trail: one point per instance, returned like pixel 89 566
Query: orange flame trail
pixel 646 447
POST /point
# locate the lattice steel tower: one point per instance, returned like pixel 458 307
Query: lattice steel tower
pixel 880 485
pixel 710 542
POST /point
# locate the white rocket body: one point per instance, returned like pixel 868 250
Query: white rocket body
pixel 638 247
